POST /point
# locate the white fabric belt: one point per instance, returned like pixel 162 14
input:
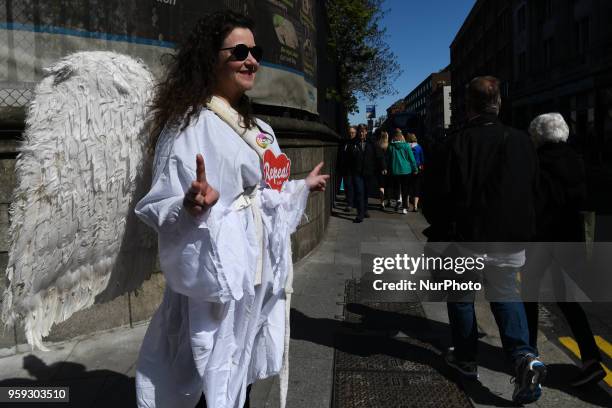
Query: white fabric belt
pixel 251 199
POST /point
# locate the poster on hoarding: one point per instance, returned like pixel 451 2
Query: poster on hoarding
pixel 38 33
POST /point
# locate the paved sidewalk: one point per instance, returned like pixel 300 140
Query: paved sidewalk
pixel 99 368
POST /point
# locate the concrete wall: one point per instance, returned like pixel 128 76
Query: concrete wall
pixel 306 144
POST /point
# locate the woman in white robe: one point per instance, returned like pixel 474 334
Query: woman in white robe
pixel 224 234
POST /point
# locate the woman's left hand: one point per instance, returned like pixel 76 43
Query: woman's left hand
pixel 316 181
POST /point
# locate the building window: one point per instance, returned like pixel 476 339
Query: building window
pixel 582 36
pixel 547 52
pixel 504 89
pixel 522 63
pixel 505 20
pixel 521 19
pixel 548 9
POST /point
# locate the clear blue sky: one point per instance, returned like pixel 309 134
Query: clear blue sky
pixel 419 32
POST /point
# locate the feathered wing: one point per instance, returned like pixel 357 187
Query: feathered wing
pixel 82 165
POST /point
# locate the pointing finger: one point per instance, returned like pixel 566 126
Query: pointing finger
pixel 200 169
pixel 317 169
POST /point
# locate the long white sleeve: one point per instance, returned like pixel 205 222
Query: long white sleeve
pixel 206 257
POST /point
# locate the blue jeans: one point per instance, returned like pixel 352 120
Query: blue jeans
pixel 510 316
pixel 511 321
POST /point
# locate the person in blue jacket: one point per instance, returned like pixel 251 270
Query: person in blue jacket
pixel 417 178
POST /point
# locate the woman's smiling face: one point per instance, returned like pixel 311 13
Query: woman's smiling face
pixel 235 77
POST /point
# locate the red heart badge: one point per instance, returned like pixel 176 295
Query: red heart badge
pixel 276 169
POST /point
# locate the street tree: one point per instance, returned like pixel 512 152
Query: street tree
pixel 366 65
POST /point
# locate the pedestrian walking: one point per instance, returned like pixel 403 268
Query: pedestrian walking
pixel 417 178
pixel 486 195
pixel 561 195
pixel 402 165
pixel 363 165
pixel 383 177
pixel 344 171
pixel 224 318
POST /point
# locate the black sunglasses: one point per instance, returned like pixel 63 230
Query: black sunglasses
pixel 241 52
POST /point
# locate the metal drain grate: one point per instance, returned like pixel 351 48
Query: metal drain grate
pixel 394 390
pixel 374 370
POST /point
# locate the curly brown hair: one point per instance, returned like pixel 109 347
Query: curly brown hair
pixel 191 73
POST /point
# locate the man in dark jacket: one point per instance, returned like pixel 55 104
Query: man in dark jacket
pixel 483 188
pixel 343 167
pixel 363 164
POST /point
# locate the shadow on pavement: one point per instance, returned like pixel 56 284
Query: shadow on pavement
pixel 429 331
pixel 338 211
pixel 96 388
pixel 560 374
pixel 343 215
pixel 334 334
pixel 377 330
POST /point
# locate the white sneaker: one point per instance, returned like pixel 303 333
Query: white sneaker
pixel 404 211
pixel 530 372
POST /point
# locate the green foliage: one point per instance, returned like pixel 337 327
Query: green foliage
pixel 367 67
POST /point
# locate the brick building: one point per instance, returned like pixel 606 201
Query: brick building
pixel 564 64
pixel 552 56
pixel 417 99
pixel 483 46
pixel 425 109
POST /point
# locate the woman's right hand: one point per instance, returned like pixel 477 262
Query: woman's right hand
pixel 315 181
pixel 200 196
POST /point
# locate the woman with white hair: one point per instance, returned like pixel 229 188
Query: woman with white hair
pixel 549 128
pixel 561 194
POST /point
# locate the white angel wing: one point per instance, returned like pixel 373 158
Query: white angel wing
pixel 82 166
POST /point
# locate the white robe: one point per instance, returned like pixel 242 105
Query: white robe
pixel 215 332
